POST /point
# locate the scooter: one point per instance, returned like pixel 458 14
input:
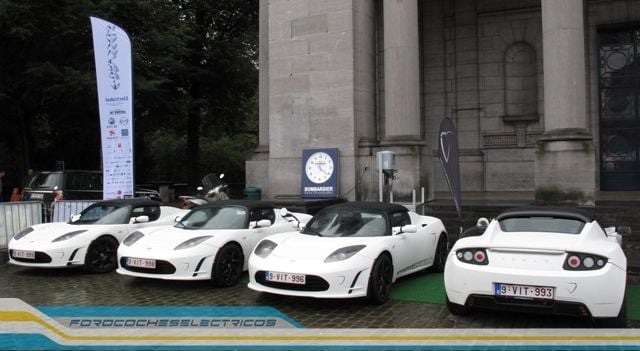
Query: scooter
pixel 212 189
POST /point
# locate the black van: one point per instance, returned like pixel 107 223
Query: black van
pixel 71 185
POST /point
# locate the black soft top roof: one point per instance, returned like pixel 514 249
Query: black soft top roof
pixel 581 214
pixel 132 201
pixel 370 205
pixel 248 204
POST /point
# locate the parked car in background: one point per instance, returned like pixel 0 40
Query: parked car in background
pixel 51 186
pixel 212 242
pixel 89 239
pixel 540 260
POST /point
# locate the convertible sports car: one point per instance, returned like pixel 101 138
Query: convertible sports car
pixel 210 242
pixel 89 239
pixel 542 260
pixel 353 249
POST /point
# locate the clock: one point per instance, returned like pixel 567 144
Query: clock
pixel 320 170
pixel 319 167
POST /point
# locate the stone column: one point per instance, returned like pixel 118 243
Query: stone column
pixel 565 156
pixel 401 131
pixel 257 167
pixel 401 69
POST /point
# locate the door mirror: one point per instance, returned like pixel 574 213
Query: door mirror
pixel 74 218
pixel 141 219
pixel 409 228
pixel 263 223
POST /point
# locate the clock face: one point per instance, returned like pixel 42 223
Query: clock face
pixel 319 167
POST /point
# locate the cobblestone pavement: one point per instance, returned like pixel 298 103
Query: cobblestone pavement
pixel 76 288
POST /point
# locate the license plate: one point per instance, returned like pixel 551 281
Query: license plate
pixel 30 255
pixel 141 262
pixel 524 291
pixel 280 277
pixel 37 196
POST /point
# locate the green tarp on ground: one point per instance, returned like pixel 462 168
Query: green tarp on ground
pixel 429 288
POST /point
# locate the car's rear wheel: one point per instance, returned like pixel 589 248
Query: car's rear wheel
pixel 440 257
pixel 227 267
pixel 380 280
pixel 102 255
pixel 456 309
pixel 617 322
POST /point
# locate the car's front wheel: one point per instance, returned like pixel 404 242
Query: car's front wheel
pixel 227 267
pixel 616 322
pixel 102 255
pixel 380 280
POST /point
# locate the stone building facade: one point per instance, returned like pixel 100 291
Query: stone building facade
pixel 543 93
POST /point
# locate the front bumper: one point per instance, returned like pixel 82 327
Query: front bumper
pixel 188 266
pixel 56 256
pixel 346 279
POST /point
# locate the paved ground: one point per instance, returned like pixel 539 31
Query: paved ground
pixel 76 288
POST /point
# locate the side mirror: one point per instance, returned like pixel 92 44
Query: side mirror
pixel 284 212
pixel 624 230
pixel 263 223
pixel 199 188
pixel 409 228
pixel 141 219
pixel 178 218
pixel 221 175
pixel 74 218
pixel 482 222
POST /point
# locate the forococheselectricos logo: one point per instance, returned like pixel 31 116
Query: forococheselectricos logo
pixel 25 327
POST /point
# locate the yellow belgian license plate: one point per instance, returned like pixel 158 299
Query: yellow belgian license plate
pixel 524 291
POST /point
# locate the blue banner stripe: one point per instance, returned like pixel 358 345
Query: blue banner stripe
pixel 38 342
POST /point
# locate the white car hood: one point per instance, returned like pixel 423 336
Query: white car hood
pixel 49 231
pixel 304 246
pixel 169 237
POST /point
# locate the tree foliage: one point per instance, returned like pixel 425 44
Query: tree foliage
pixel 195 84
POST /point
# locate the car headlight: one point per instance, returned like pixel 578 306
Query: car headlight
pixel 68 236
pixel 192 242
pixel 583 262
pixel 131 239
pixel 473 256
pixel 21 234
pixel 343 253
pixel 265 248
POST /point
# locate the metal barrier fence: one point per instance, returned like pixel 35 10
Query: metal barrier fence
pixel 64 209
pixel 15 216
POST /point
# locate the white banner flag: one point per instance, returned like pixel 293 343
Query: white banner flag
pixel 112 51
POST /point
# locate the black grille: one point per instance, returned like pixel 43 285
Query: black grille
pixel 41 257
pixel 312 283
pixel 162 267
pixel 537 306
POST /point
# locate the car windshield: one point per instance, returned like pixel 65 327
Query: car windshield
pixel 46 180
pixel 104 214
pixel 542 224
pixel 229 217
pixel 341 221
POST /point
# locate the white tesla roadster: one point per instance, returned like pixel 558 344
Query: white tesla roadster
pixel 213 241
pixel 89 239
pixel 353 249
pixel 542 260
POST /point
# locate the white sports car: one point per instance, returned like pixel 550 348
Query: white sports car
pixel 542 260
pixel 213 241
pixel 89 239
pixel 353 249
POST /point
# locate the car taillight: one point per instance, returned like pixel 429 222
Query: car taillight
pixel 473 256
pixel 583 262
pixel 58 196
